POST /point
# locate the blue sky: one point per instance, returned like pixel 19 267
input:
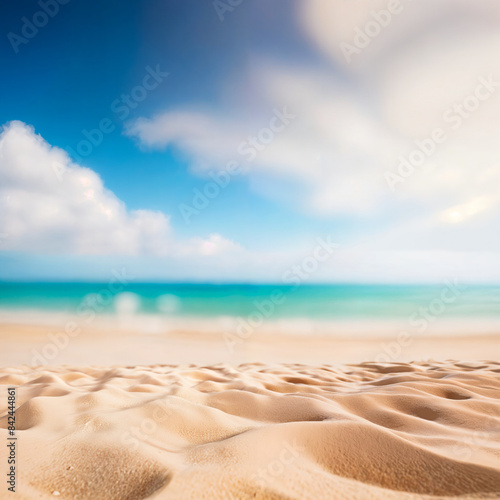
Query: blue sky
pixel 322 174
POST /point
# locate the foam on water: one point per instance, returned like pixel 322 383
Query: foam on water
pixel 312 309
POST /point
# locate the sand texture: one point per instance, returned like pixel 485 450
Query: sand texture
pixel 261 431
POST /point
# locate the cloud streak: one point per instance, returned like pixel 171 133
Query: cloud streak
pixel 358 120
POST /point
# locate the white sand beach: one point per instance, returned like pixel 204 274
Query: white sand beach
pixel 321 427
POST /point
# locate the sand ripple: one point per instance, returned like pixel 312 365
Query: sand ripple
pixel 388 431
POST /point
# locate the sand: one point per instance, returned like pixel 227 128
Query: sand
pixel 259 430
pixel 37 344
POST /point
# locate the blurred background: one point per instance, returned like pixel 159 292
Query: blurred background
pixel 216 142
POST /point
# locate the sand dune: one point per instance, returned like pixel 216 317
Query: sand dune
pixel 400 430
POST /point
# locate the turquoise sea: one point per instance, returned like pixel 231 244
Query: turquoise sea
pixel 321 302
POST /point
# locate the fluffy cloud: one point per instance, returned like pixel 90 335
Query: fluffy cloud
pixel 357 120
pixel 422 72
pixel 49 204
pixel 324 151
pixel 215 244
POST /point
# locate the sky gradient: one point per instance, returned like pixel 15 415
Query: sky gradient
pixel 199 141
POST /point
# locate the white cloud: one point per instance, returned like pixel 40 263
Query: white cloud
pixel 215 244
pixel 49 204
pixel 330 24
pixel 325 152
pixel 428 59
pixel 354 120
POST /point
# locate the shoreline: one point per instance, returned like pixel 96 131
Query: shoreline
pixel 341 326
pixel 28 344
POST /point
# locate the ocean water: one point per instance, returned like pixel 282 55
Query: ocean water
pixel 314 302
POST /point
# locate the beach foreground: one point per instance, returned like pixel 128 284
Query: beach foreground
pixel 290 431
